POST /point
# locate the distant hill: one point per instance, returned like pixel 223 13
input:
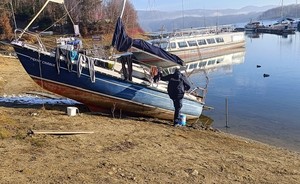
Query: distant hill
pixel 290 11
pixel 154 20
pixel 187 22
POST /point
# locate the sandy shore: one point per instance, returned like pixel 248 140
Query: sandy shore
pixel 124 150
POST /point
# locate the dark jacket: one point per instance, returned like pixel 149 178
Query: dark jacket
pixel 178 84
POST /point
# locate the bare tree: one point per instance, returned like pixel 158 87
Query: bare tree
pixel 93 16
pixel 113 11
pixel 6 32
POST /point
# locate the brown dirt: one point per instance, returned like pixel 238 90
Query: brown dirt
pixel 124 150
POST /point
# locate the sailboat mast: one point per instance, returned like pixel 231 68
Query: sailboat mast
pixel 13 14
pixel 281 9
pixel 124 3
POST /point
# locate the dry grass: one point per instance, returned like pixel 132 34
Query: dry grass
pixel 7 126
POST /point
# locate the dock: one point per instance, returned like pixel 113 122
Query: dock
pixel 275 31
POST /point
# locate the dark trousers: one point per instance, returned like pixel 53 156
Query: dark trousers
pixel 127 71
pixel 177 105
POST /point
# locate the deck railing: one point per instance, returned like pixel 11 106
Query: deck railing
pixel 36 38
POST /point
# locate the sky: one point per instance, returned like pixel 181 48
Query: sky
pixel 169 5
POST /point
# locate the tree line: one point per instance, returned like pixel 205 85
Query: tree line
pixel 92 16
pixel 289 11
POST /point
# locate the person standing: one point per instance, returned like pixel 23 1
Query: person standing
pixel 177 85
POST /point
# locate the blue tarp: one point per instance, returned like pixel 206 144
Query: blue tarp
pixel 122 42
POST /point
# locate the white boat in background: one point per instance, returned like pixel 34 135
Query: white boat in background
pixel 252 26
pixel 284 24
pixel 296 24
pixel 282 27
pixel 194 44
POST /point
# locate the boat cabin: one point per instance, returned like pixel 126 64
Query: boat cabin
pixel 176 44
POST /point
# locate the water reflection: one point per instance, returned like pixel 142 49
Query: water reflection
pixel 216 63
pixel 263 109
pixel 209 67
pixel 252 34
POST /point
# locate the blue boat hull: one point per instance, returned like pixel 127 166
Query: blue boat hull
pixel 105 93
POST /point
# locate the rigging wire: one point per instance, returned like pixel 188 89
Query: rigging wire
pixel 13 14
pixel 151 5
pixel 182 14
pixel 67 13
pixel 41 77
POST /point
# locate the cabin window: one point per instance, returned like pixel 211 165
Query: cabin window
pixel 163 45
pixel 211 41
pixel 219 40
pixel 202 64
pixel 192 43
pixel 182 44
pixel 201 42
pixel 193 66
pixel 211 62
pixel 172 45
pixel 155 44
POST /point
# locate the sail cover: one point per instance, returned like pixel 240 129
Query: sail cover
pixel 122 42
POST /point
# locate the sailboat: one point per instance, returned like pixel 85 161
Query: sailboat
pixel 68 71
pixel 282 27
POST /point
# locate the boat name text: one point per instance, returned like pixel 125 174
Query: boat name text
pixel 43 62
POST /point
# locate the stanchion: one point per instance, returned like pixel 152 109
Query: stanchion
pixel 226 107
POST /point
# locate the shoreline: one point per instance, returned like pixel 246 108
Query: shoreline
pixel 264 139
pixel 83 110
pixel 40 98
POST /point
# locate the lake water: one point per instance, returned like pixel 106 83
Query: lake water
pixel 266 109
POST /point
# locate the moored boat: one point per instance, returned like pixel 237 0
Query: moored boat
pixel 281 27
pixel 67 70
pixel 193 44
pixel 253 26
